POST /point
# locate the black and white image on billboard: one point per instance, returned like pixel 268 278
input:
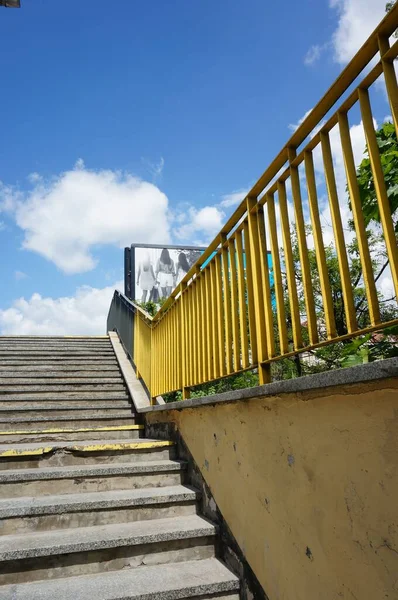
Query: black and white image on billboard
pixel 158 270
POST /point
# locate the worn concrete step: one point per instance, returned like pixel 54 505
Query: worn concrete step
pixel 54 337
pixel 74 422
pixel 31 361
pixel 54 344
pixel 66 387
pixel 77 432
pixel 71 373
pixel 41 370
pixel 65 409
pixel 55 379
pixel 85 550
pixel 83 452
pixel 65 405
pixel 90 478
pixel 198 580
pixel 51 354
pixel 88 509
pixel 65 396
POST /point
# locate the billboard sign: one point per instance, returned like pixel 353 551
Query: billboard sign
pixel 156 270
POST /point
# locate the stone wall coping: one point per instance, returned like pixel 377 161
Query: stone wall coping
pixel 374 371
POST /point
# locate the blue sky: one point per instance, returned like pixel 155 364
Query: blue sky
pixel 139 121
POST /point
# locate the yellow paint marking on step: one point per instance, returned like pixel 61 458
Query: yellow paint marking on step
pixel 15 452
pixel 87 448
pixel 81 430
pixel 124 446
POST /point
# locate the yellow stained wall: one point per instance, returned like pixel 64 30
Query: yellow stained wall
pixel 308 484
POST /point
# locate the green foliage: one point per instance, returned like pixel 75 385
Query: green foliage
pixel 246 379
pixel 388 146
pixel 150 307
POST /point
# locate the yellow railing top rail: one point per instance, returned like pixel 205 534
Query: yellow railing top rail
pixel 341 85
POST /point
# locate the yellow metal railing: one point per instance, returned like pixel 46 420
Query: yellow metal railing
pixel 230 312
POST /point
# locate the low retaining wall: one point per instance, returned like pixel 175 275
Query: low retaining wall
pixel 305 475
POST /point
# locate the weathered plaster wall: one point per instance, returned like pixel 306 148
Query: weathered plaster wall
pixel 308 484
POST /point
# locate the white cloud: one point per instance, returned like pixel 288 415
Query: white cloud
pixel 234 198
pixel 64 217
pixel 314 54
pixel 356 21
pixel 84 313
pixel 20 275
pixel 206 222
pixel 154 168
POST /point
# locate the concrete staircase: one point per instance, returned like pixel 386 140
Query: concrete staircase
pixel 89 508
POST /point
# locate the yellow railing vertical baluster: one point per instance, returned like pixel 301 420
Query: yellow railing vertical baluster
pixel 209 324
pixel 204 326
pixel 390 79
pixel 269 318
pixel 173 348
pixel 338 233
pixel 193 333
pixel 220 316
pixel 290 269
pixel 243 321
pixel 276 271
pixel 190 335
pixel 227 305
pixel 198 333
pixel 253 359
pixel 214 311
pixel 184 345
pixel 234 306
pixel 366 261
pixel 380 186
pixel 179 346
pixel 258 290
pixel 319 247
pixel 303 250
pixel 166 324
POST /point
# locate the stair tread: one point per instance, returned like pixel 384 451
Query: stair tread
pixel 61 407
pixel 100 395
pixel 94 470
pixel 167 581
pixel 81 444
pixel 85 539
pixel 87 501
pixel 65 418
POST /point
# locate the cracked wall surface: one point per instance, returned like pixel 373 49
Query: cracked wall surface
pixel 308 485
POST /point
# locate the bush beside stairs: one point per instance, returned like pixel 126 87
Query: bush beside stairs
pixel 90 508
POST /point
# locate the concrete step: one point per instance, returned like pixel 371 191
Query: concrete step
pixel 65 410
pixel 75 433
pixel 87 550
pixel 29 361
pixel 66 387
pixel 58 403
pixel 90 478
pixel 56 345
pixel 74 421
pixel 65 396
pixel 47 454
pixel 29 370
pixel 198 580
pixel 58 373
pixel 89 509
pixel 54 337
pixel 51 380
